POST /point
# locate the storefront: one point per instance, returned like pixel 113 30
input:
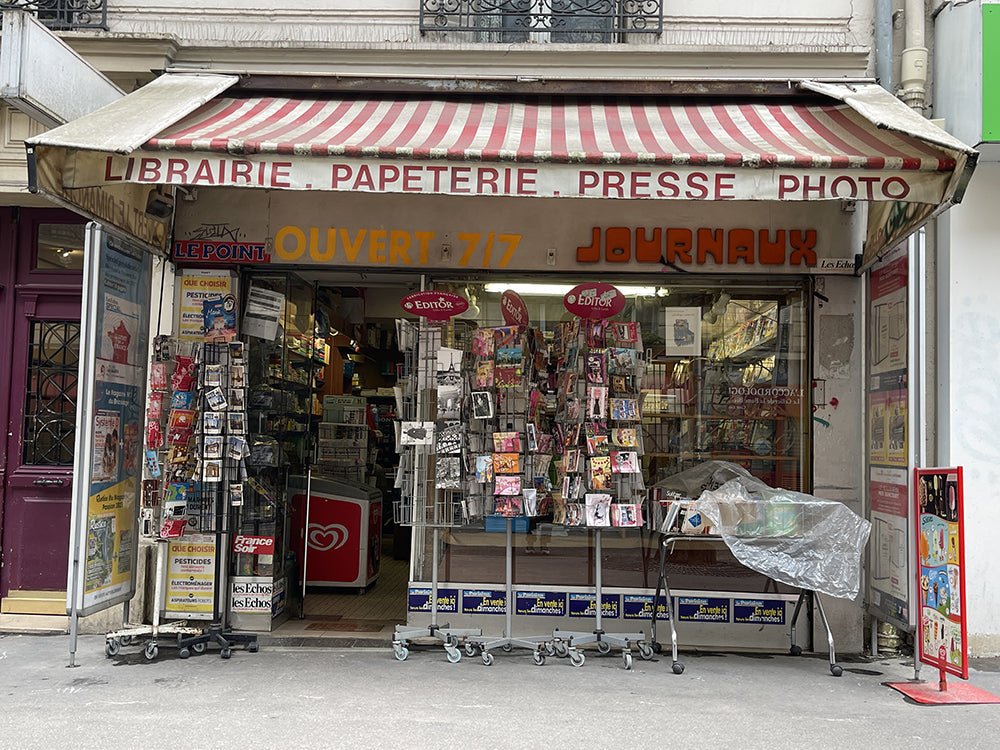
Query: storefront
pixel 732 231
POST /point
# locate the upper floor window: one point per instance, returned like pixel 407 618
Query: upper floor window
pixel 564 21
pixel 65 14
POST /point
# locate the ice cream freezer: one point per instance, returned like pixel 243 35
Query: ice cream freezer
pixel 344 533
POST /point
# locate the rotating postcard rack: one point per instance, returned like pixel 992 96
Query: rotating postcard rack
pixel 601 367
pixel 510 454
pixel 430 497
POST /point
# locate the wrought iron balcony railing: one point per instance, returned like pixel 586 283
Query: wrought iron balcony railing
pixel 64 15
pixel 543 20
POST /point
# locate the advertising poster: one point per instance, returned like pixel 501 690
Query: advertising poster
pixel 683 332
pixel 190 585
pixel 195 287
pixel 544 603
pixel 117 324
pixel 640 607
pixel 939 515
pixel 484 602
pixel 251 594
pixel 888 445
pixel 582 605
pixel 702 609
pixel 419 600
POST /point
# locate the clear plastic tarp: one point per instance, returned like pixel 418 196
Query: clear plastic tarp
pixel 796 539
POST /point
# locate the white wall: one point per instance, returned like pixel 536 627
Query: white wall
pixel 969 388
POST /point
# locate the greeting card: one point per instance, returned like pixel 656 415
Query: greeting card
pixel 624 462
pixel 506 463
pixel 507 485
pixel 600 472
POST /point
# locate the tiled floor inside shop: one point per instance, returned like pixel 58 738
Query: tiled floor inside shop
pixel 344 613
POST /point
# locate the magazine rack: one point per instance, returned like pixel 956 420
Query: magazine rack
pixel 421 506
pixel 811 598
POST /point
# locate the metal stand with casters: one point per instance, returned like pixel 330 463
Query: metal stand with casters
pixel 663 587
pixel 507 641
pixel 567 643
pixel 447 635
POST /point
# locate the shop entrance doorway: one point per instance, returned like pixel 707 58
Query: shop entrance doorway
pixel 39 388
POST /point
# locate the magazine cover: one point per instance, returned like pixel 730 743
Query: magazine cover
pixel 448 473
pixel 600 472
pixel 575 514
pixel 507 485
pixel 598 509
pixel 219 318
pixel 484 468
pixel 625 409
pixel 506 463
pixel 597 401
pixel 624 462
pixel 482 405
pixel 107 426
pixel 507 442
pixel 483 376
pixel 626 514
pixel 482 343
pixel 596 367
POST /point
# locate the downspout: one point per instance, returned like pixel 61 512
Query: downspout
pixel 913 74
pixel 883 43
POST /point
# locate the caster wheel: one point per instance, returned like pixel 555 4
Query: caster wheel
pixel 400 652
pixel 603 648
pixel 795 651
pixel 550 650
pixel 226 653
pixel 561 649
pixel 487 659
pixel 150 651
pixel 836 670
pixel 657 648
pixel 253 647
pixel 507 648
pixel 112 648
pixel 199 648
pixel 470 650
pixel 184 653
pixel 454 655
pixel 538 657
pixel 126 640
pixel 576 658
pixel 645 652
pixel 627 661
pixel 677 667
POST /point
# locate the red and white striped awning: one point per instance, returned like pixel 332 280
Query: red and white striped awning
pixel 615 131
pixel 851 141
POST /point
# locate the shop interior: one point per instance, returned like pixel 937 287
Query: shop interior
pixel 725 377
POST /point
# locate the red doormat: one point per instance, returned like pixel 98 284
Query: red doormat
pixel 928 693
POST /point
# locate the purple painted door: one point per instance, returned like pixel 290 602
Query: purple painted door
pixel 43 307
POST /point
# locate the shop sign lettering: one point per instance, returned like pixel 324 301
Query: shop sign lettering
pixel 594 301
pixel 218 251
pixel 513 309
pixel 434 305
pixel 253 545
pixel 682 246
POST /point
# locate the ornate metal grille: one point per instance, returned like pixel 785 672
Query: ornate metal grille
pixel 537 20
pixel 65 14
pixel 50 401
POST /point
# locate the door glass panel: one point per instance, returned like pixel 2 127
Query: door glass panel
pixel 49 428
pixel 60 247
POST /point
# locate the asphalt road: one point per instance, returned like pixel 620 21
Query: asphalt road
pixel 361 698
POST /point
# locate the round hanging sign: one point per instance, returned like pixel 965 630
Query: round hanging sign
pixel 594 301
pixel 434 305
pixel 513 309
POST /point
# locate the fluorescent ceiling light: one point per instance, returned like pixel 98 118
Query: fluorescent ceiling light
pixel 561 289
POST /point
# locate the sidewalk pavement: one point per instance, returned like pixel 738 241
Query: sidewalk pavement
pixel 363 698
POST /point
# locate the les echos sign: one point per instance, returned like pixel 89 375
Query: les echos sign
pixel 437 306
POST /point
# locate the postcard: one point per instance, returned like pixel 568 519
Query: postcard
pixel 625 409
pixel 482 342
pixel 598 509
pixel 597 401
pixel 506 463
pixel 507 485
pixel 417 433
pixel 482 405
pixel 600 472
pixel 624 437
pixel 484 468
pixel 507 442
pixel 575 514
pixel 625 462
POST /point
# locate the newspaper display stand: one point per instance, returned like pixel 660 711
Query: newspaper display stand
pixel 421 505
pixel 791 538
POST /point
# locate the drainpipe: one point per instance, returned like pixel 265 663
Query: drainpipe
pixel 913 75
pixel 883 43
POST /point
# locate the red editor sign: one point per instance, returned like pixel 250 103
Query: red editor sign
pixel 434 305
pixel 253 545
pixel 594 301
pixel 513 309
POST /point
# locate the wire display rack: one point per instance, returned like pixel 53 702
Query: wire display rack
pixel 426 501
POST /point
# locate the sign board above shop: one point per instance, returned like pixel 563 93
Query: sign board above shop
pixel 227 227
pixel 837 143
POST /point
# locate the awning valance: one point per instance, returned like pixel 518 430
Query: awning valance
pixel 855 142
